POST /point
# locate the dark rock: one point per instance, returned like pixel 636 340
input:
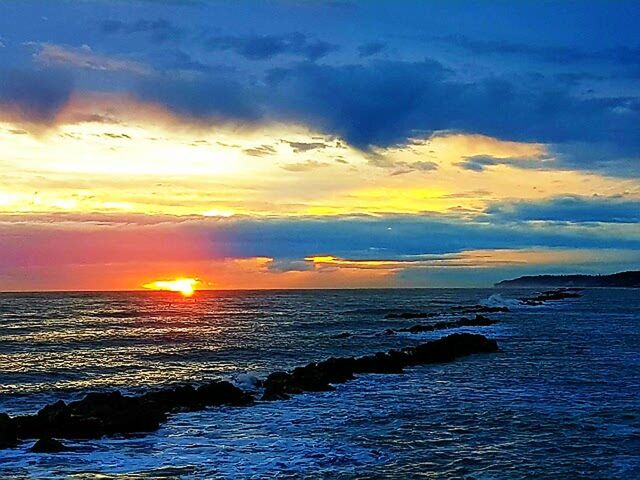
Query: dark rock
pixel 96 415
pixel 174 399
pixel 8 431
pixel 337 370
pixel 223 393
pixel 378 363
pixel 278 386
pixel 48 445
pixel 99 414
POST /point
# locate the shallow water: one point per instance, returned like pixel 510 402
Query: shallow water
pixel 562 399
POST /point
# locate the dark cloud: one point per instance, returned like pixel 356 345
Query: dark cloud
pixel 260 151
pixel 301 147
pixel 354 237
pixel 479 163
pixel 181 60
pixel 34 95
pixel 204 97
pixel 569 209
pixel 289 265
pixel 401 167
pixel 264 47
pixel 397 236
pixel 386 102
pixel 159 31
pixel 613 158
pixel 369 49
pixel 621 55
pixel 115 136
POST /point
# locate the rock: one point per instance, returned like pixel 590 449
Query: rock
pixel 184 397
pixel 99 414
pixel 222 393
pixel 96 415
pixel 48 445
pixel 8 431
pixel 338 370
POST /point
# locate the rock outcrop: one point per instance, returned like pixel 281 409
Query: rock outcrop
pixel 551 296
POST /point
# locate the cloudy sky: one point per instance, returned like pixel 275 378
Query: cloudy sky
pixel 281 144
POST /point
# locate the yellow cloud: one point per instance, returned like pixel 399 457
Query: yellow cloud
pixel 108 153
pixel 487 258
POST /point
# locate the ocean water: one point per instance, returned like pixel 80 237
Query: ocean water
pixel 561 400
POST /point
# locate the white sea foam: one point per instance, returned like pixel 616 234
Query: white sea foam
pixel 497 300
pixel 247 382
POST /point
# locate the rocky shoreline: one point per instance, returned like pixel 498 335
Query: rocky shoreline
pixel 105 414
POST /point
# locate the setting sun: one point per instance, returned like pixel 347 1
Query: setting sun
pixel 186 286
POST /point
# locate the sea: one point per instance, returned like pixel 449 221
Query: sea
pixel 561 400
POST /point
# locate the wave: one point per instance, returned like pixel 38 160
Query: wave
pixel 497 300
pixel 247 382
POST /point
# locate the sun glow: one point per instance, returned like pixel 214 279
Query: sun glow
pixel 186 286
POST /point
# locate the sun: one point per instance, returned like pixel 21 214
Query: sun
pixel 186 286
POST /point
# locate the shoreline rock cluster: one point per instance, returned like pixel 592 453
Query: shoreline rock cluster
pixel 105 414
pixel 551 296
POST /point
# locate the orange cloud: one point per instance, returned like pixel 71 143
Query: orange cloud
pixel 85 57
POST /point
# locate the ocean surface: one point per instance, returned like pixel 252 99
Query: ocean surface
pixel 560 401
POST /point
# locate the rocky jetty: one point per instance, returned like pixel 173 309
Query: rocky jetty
pixel 101 414
pixel 321 376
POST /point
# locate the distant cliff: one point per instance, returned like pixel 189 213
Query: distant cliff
pixel 621 280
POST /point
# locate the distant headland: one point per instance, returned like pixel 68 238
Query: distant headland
pixel 629 279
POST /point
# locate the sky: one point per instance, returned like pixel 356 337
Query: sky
pixel 316 144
